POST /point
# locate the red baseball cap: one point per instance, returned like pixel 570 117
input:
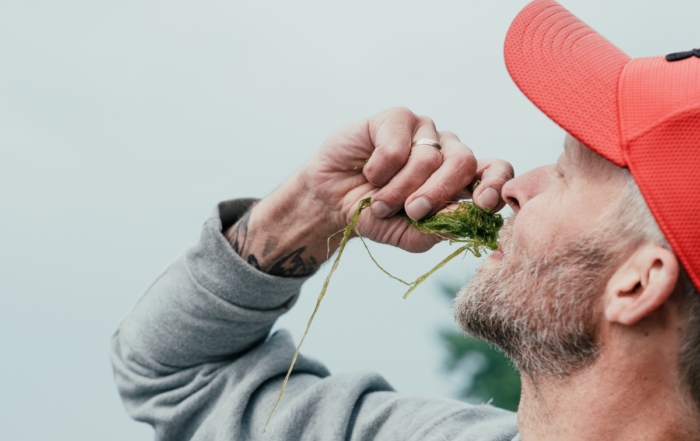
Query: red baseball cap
pixel 643 113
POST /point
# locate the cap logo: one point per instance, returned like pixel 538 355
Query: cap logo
pixel 677 56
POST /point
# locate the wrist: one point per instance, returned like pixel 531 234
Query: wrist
pixel 295 207
pixel 285 234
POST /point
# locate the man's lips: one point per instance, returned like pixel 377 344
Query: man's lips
pixel 498 254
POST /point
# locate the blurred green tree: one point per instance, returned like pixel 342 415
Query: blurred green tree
pixel 484 373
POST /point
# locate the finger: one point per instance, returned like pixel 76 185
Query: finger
pixel 423 161
pixel 391 133
pixel 457 170
pixel 493 174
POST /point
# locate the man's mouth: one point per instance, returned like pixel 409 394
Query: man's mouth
pixel 498 254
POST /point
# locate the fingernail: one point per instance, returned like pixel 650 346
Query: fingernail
pixel 419 208
pixel 489 198
pixel 380 209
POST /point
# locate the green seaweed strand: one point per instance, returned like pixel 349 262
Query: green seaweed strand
pixel 346 236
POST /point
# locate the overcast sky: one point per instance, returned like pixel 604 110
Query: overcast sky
pixel 123 123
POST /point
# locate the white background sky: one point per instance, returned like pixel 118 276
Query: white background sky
pixel 123 123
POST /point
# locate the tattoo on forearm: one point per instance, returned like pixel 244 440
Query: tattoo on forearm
pixel 270 246
pixel 294 264
pixel 240 234
pixel 254 261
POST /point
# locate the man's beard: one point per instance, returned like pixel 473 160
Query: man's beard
pixel 541 311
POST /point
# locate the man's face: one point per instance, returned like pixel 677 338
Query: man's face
pixel 538 297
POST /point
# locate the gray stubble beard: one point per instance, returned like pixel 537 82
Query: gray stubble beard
pixel 541 311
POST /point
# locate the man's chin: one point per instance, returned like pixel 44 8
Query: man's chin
pixel 539 313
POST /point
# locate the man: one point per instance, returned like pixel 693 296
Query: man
pixel 593 293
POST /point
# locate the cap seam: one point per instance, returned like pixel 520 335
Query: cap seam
pixel 539 14
pixel 662 121
pixel 539 25
pixel 622 140
pixel 581 37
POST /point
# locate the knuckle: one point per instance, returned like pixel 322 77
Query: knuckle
pixel 510 171
pixel 425 121
pixel 504 168
pixel 500 170
pixel 392 196
pixel 445 135
pixel 404 113
pixel 392 156
pixel 466 163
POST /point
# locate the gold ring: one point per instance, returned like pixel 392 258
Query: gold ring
pixel 427 141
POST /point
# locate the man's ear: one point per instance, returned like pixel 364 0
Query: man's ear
pixel 642 284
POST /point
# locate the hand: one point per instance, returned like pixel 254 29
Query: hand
pixel 421 179
pixel 374 157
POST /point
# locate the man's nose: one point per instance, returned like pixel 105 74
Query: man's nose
pixel 518 191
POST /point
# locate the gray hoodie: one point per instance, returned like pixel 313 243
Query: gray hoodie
pixel 195 359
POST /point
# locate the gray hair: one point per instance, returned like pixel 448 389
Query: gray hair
pixel 637 225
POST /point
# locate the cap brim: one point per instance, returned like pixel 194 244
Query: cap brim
pixel 570 72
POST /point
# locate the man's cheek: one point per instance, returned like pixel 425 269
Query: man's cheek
pixel 527 238
pixel 536 234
